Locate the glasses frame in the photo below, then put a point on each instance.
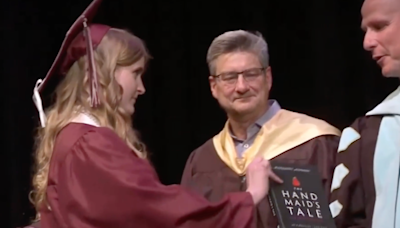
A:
(237, 74)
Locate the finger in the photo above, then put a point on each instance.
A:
(266, 163)
(258, 159)
(275, 177)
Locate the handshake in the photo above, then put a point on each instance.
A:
(259, 173)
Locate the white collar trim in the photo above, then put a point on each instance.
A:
(390, 106)
(85, 119)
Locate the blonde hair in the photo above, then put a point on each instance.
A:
(235, 41)
(117, 48)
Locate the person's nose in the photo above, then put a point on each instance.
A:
(140, 89)
(241, 85)
(370, 42)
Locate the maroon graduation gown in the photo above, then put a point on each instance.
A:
(96, 181)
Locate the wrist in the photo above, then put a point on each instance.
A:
(254, 195)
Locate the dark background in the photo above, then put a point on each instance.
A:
(319, 68)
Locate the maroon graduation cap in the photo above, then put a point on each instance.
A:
(81, 39)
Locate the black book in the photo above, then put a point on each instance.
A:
(301, 200)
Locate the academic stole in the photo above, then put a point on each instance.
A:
(283, 132)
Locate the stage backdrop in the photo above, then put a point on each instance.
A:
(318, 65)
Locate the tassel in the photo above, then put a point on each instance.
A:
(38, 103)
(94, 96)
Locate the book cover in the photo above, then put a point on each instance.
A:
(301, 200)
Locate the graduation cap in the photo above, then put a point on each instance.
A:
(81, 39)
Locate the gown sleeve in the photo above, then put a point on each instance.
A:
(325, 150)
(346, 201)
(103, 184)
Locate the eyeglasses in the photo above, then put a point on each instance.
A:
(250, 75)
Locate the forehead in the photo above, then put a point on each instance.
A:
(378, 10)
(138, 64)
(237, 61)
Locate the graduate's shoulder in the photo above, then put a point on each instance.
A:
(80, 140)
(76, 131)
(79, 135)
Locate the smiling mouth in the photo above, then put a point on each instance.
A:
(378, 59)
(243, 98)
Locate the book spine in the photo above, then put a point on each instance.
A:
(275, 210)
(272, 206)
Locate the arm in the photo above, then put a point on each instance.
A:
(347, 195)
(102, 184)
(325, 150)
(33, 225)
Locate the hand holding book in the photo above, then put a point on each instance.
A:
(258, 175)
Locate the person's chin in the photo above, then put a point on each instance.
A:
(391, 69)
(244, 107)
(130, 110)
(390, 73)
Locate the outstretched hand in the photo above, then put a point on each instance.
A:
(259, 172)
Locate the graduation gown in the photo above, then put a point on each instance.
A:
(288, 137)
(96, 181)
(365, 185)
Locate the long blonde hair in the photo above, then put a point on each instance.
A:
(117, 48)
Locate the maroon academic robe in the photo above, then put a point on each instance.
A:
(33, 225)
(96, 181)
(206, 172)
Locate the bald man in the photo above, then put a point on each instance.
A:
(365, 187)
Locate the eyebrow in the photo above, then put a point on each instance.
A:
(363, 27)
(138, 70)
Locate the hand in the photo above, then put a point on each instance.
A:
(258, 174)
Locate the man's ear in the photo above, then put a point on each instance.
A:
(268, 73)
(213, 85)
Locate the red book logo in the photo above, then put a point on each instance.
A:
(295, 182)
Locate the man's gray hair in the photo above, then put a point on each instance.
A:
(238, 41)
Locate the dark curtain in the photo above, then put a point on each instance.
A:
(319, 68)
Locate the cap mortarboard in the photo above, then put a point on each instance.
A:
(81, 39)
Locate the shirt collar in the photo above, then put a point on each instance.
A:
(390, 106)
(273, 108)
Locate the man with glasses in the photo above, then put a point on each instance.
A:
(240, 80)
